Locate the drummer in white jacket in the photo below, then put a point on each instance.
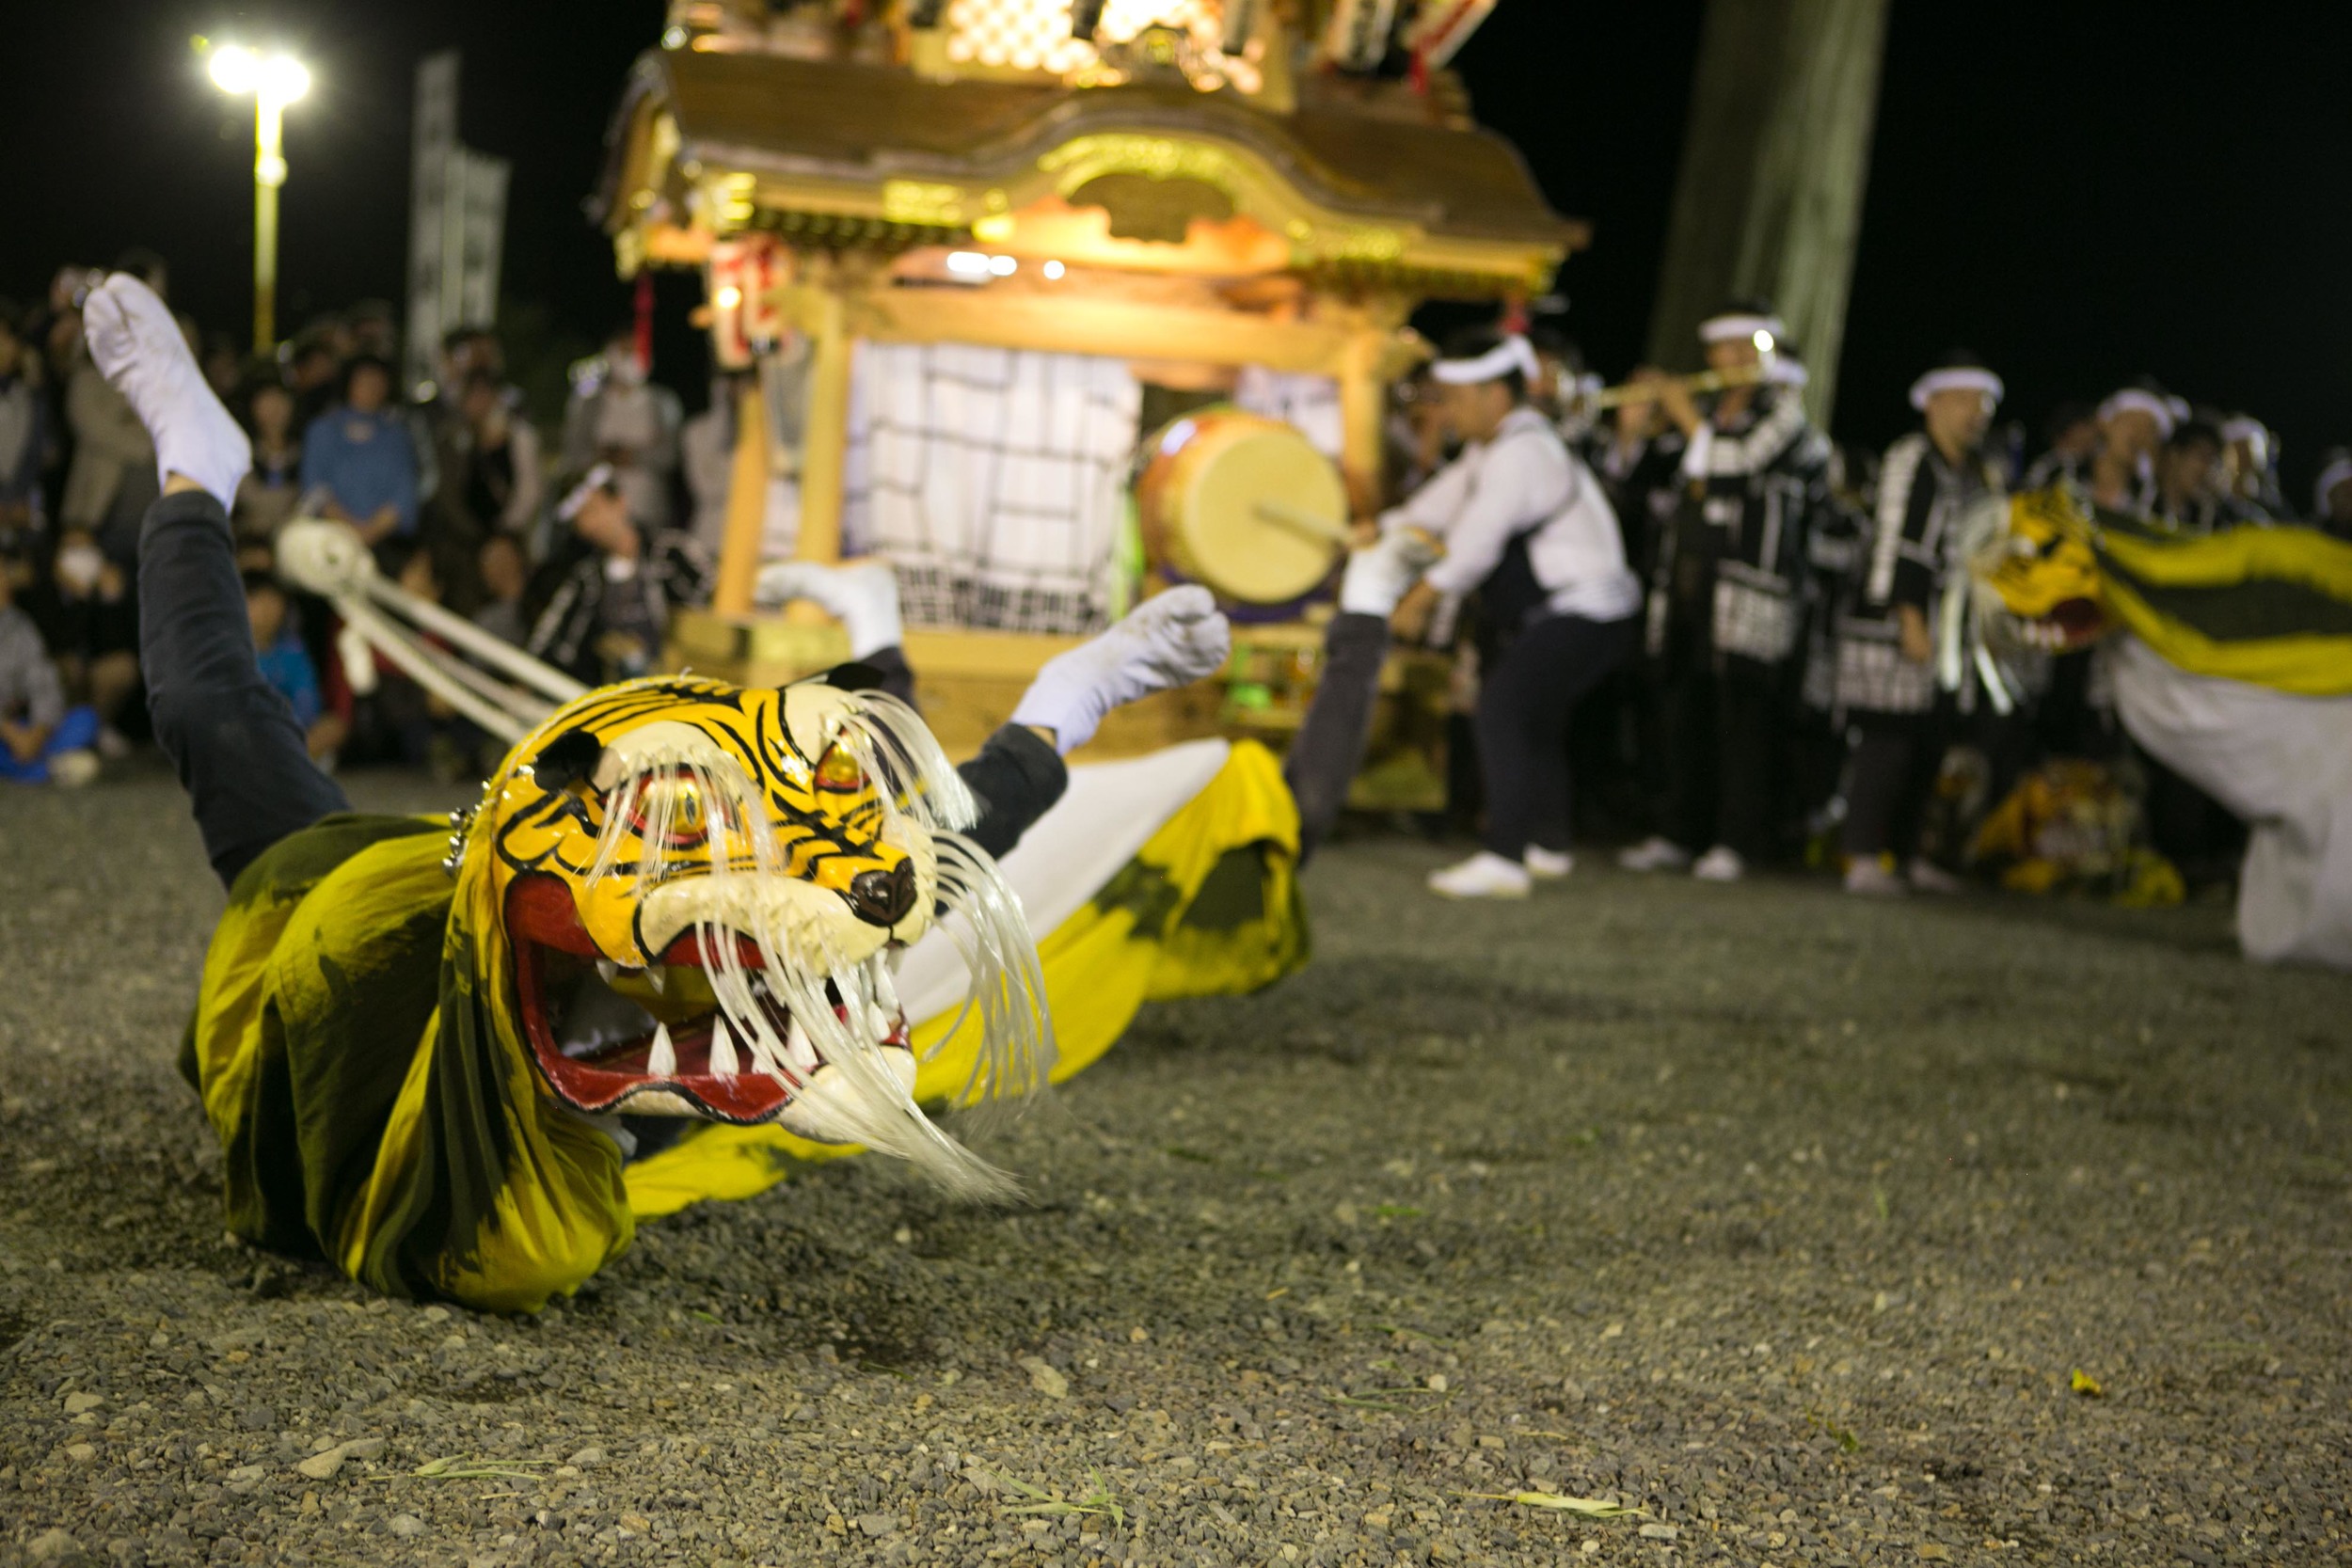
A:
(1525, 525)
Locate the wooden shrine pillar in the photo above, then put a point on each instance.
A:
(1369, 360)
(1769, 200)
(1363, 414)
(747, 504)
(825, 429)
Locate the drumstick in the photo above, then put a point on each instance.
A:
(1301, 519)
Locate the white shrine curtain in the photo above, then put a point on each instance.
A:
(994, 481)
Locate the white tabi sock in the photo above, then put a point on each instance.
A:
(137, 346)
(862, 595)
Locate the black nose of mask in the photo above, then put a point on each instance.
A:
(883, 897)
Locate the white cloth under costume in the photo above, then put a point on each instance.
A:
(994, 479)
(2283, 763)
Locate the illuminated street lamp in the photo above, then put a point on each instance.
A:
(275, 81)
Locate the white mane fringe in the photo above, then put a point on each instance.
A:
(924, 805)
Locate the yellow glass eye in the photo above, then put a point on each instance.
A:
(687, 823)
(837, 769)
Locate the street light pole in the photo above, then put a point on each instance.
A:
(274, 82)
(269, 172)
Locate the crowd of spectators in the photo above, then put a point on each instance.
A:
(449, 483)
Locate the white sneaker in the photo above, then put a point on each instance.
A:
(73, 770)
(1485, 875)
(1868, 875)
(1548, 864)
(1720, 865)
(1655, 853)
(1928, 877)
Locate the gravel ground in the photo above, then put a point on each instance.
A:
(1783, 1219)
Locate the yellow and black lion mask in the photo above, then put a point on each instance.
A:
(699, 890)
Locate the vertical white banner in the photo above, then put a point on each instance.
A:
(432, 139)
(482, 225)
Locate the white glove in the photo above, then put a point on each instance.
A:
(1378, 574)
(863, 595)
(1168, 642)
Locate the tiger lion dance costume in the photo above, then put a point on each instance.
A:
(427, 1058)
(2232, 659)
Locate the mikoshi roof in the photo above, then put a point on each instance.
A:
(850, 154)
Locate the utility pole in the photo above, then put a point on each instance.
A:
(1769, 199)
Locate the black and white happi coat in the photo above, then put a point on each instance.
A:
(592, 605)
(1750, 493)
(1643, 481)
(1912, 559)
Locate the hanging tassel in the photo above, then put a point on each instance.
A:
(644, 337)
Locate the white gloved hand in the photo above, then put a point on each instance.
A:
(862, 594)
(137, 346)
(1169, 640)
(1378, 574)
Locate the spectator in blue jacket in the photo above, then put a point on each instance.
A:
(359, 453)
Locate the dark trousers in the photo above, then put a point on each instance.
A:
(1329, 745)
(1722, 716)
(1524, 706)
(1895, 764)
(1606, 736)
(239, 753)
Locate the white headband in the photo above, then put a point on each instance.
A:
(1956, 378)
(1722, 329)
(2330, 477)
(2245, 427)
(593, 481)
(2156, 409)
(1513, 353)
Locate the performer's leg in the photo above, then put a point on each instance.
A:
(898, 675)
(1329, 745)
(1932, 735)
(1881, 774)
(1523, 715)
(1747, 707)
(239, 751)
(1692, 760)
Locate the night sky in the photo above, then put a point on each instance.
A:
(2082, 192)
